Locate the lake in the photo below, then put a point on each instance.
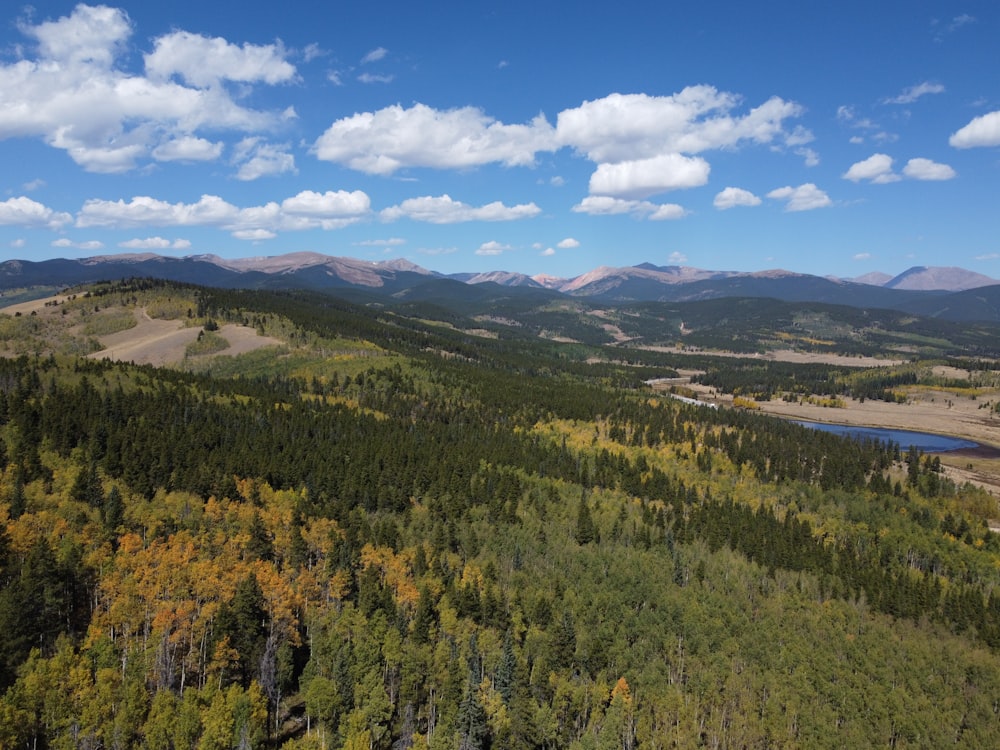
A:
(925, 441)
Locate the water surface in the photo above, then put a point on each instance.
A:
(925, 441)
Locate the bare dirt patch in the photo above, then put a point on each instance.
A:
(164, 342)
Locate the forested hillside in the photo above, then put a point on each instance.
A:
(391, 533)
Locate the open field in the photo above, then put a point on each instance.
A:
(150, 341)
(164, 342)
(787, 355)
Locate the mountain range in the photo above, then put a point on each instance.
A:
(943, 292)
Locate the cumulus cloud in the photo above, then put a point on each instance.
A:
(202, 61)
(260, 159)
(155, 243)
(731, 197)
(802, 198)
(981, 131)
(306, 210)
(568, 244)
(645, 177)
(604, 205)
(641, 144)
(876, 168)
(24, 212)
(623, 127)
(911, 94)
(444, 210)
(862, 256)
(87, 245)
(677, 258)
(925, 169)
(548, 252)
(395, 138)
(492, 248)
(254, 235)
(188, 148)
(76, 96)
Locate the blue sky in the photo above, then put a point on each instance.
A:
(546, 138)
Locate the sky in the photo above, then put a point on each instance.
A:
(537, 137)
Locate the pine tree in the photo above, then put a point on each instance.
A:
(471, 723)
(586, 531)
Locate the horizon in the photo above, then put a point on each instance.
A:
(150, 254)
(728, 138)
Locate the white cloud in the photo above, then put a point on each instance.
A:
(621, 133)
(307, 210)
(876, 168)
(375, 55)
(568, 244)
(33, 185)
(802, 198)
(24, 212)
(644, 177)
(925, 169)
(188, 148)
(809, 155)
(18, 243)
(155, 243)
(76, 96)
(203, 62)
(311, 51)
(731, 197)
(988, 256)
(677, 258)
(492, 248)
(88, 245)
(981, 131)
(91, 35)
(862, 256)
(548, 252)
(625, 127)
(376, 78)
(913, 93)
(259, 159)
(254, 235)
(443, 210)
(603, 205)
(395, 138)
(143, 211)
(668, 212)
(390, 242)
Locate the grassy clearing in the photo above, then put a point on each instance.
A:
(208, 342)
(108, 322)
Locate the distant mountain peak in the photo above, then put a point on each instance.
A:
(939, 278)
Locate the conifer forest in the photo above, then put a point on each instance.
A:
(390, 531)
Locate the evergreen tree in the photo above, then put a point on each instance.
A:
(243, 619)
(472, 724)
(586, 531)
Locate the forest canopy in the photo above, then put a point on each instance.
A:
(389, 533)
